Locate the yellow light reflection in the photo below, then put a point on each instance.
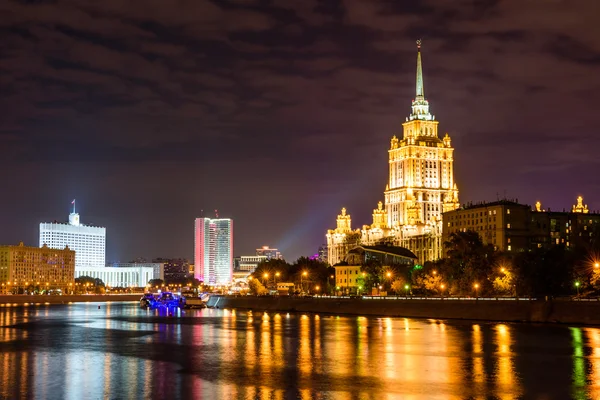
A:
(478, 367)
(593, 339)
(579, 378)
(506, 381)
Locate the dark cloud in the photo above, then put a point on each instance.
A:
(279, 112)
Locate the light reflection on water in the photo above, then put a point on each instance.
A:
(120, 351)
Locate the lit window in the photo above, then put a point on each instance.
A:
(507, 226)
(509, 248)
(508, 210)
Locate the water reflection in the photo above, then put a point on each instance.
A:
(120, 351)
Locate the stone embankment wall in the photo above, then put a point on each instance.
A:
(65, 299)
(572, 312)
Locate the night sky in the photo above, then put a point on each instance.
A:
(279, 112)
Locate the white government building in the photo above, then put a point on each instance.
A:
(89, 243)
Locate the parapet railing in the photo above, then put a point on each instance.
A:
(430, 298)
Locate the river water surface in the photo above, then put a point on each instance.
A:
(119, 351)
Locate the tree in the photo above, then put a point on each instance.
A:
(545, 272)
(87, 283)
(399, 286)
(429, 283)
(469, 262)
(504, 284)
(272, 268)
(257, 288)
(156, 282)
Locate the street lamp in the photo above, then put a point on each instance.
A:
(442, 287)
(302, 281)
(266, 276)
(577, 286)
(476, 287)
(502, 269)
(596, 265)
(406, 287)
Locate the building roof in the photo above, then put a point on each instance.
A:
(394, 250)
(483, 204)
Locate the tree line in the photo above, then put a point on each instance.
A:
(307, 274)
(472, 268)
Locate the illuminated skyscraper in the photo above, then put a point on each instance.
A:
(89, 242)
(420, 188)
(213, 250)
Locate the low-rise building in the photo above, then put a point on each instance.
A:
(249, 263)
(271, 254)
(347, 277)
(513, 227)
(157, 268)
(176, 269)
(133, 276)
(285, 288)
(504, 224)
(35, 268)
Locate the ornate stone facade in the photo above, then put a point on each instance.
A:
(420, 187)
(341, 239)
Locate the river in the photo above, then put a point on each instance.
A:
(118, 351)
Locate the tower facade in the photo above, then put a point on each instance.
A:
(341, 239)
(89, 242)
(421, 179)
(420, 186)
(213, 250)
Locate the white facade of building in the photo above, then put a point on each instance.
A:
(119, 276)
(249, 263)
(213, 250)
(158, 268)
(89, 242)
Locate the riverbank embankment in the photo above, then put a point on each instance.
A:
(508, 310)
(19, 299)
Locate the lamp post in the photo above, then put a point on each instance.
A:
(406, 287)
(389, 277)
(302, 280)
(266, 277)
(577, 286)
(329, 287)
(442, 286)
(476, 290)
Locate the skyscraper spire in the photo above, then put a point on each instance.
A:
(420, 106)
(420, 89)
